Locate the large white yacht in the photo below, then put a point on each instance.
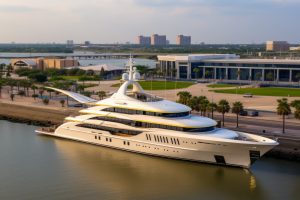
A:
(135, 121)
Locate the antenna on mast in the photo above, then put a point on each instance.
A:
(131, 71)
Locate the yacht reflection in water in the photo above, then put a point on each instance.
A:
(128, 176)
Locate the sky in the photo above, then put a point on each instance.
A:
(111, 21)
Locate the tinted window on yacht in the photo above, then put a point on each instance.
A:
(139, 112)
(112, 119)
(110, 129)
(150, 125)
(205, 129)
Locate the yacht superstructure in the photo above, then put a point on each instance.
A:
(135, 121)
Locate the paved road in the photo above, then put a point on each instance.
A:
(265, 124)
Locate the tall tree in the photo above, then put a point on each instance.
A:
(203, 105)
(41, 92)
(223, 107)
(1, 85)
(62, 102)
(12, 97)
(101, 95)
(184, 97)
(296, 104)
(9, 69)
(34, 87)
(2, 66)
(194, 103)
(283, 109)
(212, 107)
(237, 107)
(11, 83)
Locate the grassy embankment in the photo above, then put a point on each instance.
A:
(222, 85)
(161, 85)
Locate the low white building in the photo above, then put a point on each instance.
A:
(229, 67)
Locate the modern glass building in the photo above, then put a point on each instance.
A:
(229, 67)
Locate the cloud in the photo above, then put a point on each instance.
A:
(214, 21)
(13, 8)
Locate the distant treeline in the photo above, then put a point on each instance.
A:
(203, 48)
(35, 48)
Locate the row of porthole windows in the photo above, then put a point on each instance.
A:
(99, 138)
(188, 142)
(110, 140)
(156, 148)
(163, 139)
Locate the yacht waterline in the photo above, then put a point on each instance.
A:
(139, 122)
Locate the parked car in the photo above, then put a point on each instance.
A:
(243, 113)
(254, 113)
(248, 95)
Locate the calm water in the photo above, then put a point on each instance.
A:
(83, 62)
(38, 167)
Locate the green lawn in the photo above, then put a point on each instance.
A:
(161, 85)
(222, 85)
(267, 91)
(70, 78)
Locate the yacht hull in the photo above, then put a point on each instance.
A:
(221, 153)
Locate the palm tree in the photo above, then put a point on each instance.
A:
(194, 103)
(12, 96)
(212, 107)
(49, 92)
(9, 69)
(101, 94)
(62, 102)
(203, 105)
(41, 92)
(196, 71)
(1, 85)
(11, 83)
(237, 107)
(296, 104)
(184, 97)
(2, 65)
(283, 108)
(297, 113)
(33, 87)
(27, 85)
(223, 107)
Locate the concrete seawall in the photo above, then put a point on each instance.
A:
(34, 114)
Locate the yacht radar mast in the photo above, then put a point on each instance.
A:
(132, 75)
(131, 70)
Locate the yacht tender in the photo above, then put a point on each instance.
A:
(135, 121)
